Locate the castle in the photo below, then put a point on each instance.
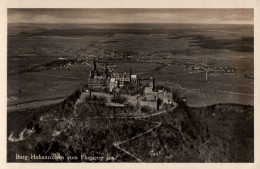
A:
(108, 81)
(129, 84)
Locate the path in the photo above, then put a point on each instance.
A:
(110, 117)
(222, 91)
(128, 153)
(158, 124)
(34, 104)
(79, 100)
(117, 144)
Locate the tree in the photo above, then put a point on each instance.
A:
(37, 128)
(55, 147)
(176, 94)
(39, 149)
(77, 93)
(159, 102)
(207, 132)
(30, 125)
(34, 118)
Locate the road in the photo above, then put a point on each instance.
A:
(34, 104)
(66, 77)
(222, 91)
(117, 144)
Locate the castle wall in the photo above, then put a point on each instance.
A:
(132, 100)
(151, 104)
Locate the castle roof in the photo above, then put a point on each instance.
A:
(133, 76)
(112, 80)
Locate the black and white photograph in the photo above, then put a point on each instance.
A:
(130, 85)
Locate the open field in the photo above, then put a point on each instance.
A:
(45, 85)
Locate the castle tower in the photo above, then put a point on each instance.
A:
(130, 73)
(106, 71)
(130, 70)
(118, 83)
(90, 93)
(94, 64)
(207, 76)
(90, 73)
(158, 104)
(152, 83)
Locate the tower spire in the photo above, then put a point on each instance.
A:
(94, 64)
(130, 74)
(130, 71)
(152, 83)
(106, 71)
(106, 68)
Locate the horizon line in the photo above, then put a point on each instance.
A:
(133, 23)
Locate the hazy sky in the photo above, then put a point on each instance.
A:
(215, 16)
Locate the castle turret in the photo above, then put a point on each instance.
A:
(158, 103)
(118, 83)
(130, 71)
(130, 74)
(125, 72)
(107, 71)
(152, 83)
(94, 64)
(95, 71)
(207, 76)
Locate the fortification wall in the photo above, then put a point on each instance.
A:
(151, 104)
(132, 100)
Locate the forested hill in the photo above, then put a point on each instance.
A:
(217, 133)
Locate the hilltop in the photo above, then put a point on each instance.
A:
(217, 133)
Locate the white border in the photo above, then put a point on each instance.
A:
(4, 4)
